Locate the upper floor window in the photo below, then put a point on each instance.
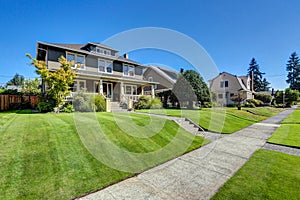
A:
(224, 84)
(150, 79)
(128, 70)
(79, 60)
(103, 51)
(105, 66)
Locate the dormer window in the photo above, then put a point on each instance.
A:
(79, 60)
(224, 84)
(103, 51)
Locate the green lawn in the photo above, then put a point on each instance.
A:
(267, 175)
(42, 156)
(227, 120)
(289, 131)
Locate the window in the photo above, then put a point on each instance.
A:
(150, 79)
(224, 83)
(220, 96)
(96, 87)
(103, 51)
(79, 85)
(79, 60)
(130, 89)
(128, 70)
(105, 66)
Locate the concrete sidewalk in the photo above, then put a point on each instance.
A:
(198, 174)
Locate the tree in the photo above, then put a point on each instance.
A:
(265, 85)
(191, 87)
(291, 96)
(257, 75)
(32, 87)
(293, 68)
(17, 80)
(59, 81)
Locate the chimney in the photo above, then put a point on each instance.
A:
(181, 70)
(125, 55)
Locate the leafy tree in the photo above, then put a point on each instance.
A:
(257, 75)
(293, 68)
(291, 96)
(32, 87)
(59, 81)
(190, 87)
(17, 80)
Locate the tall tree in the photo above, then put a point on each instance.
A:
(265, 85)
(59, 81)
(190, 87)
(17, 80)
(293, 68)
(32, 87)
(257, 75)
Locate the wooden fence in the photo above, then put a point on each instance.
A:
(12, 102)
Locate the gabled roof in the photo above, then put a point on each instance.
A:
(79, 48)
(168, 74)
(239, 79)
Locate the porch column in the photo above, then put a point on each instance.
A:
(152, 92)
(122, 91)
(101, 87)
(143, 90)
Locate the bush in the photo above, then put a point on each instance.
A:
(255, 102)
(155, 103)
(44, 106)
(83, 102)
(265, 98)
(100, 103)
(144, 102)
(68, 108)
(207, 105)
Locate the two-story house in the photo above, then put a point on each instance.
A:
(226, 86)
(100, 69)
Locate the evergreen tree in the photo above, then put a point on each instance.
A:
(265, 85)
(293, 68)
(257, 75)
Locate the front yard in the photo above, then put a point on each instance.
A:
(289, 132)
(42, 156)
(267, 175)
(227, 120)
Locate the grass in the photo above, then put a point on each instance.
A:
(288, 133)
(43, 157)
(227, 120)
(267, 175)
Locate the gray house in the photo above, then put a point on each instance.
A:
(101, 70)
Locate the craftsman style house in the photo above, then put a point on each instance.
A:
(226, 86)
(99, 69)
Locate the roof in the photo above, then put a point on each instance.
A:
(101, 45)
(78, 48)
(168, 74)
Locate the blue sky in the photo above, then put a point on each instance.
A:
(231, 31)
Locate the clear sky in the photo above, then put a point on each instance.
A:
(231, 31)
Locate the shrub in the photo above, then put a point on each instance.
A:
(144, 102)
(44, 106)
(100, 104)
(255, 102)
(68, 108)
(83, 102)
(266, 98)
(155, 103)
(207, 105)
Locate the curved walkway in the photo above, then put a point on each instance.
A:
(198, 174)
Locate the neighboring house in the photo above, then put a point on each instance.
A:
(165, 77)
(14, 87)
(226, 86)
(100, 70)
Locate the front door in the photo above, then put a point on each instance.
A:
(107, 90)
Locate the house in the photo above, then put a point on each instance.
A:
(165, 77)
(99, 70)
(226, 86)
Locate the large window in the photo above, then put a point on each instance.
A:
(79, 60)
(105, 66)
(224, 84)
(128, 70)
(130, 89)
(79, 85)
